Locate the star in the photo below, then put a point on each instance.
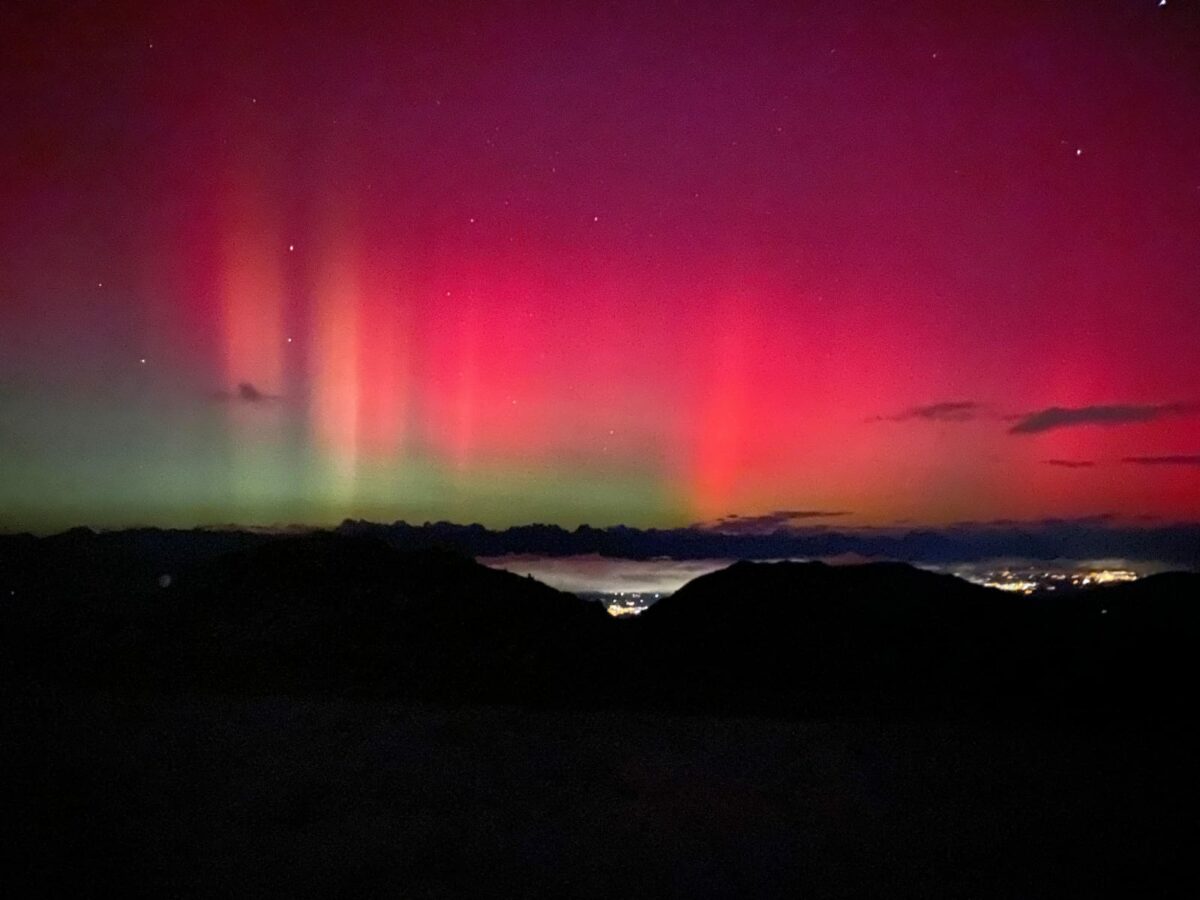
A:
(1079, 151)
(291, 247)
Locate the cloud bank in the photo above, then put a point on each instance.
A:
(952, 411)
(1103, 415)
(1178, 460)
(247, 393)
(769, 522)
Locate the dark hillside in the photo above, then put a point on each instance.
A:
(318, 612)
(326, 612)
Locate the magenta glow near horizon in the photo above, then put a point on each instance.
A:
(599, 263)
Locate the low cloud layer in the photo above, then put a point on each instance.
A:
(593, 573)
(1104, 415)
(1071, 463)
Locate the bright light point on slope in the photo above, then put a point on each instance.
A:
(1079, 151)
(1108, 576)
(142, 360)
(291, 248)
(1023, 587)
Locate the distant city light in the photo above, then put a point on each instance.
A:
(1033, 580)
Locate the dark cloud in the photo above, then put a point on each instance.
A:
(768, 522)
(247, 393)
(1071, 463)
(1046, 522)
(1179, 460)
(1108, 415)
(953, 411)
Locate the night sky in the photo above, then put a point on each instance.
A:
(644, 263)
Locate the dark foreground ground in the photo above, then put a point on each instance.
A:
(363, 798)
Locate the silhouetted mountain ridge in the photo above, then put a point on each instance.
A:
(1175, 544)
(335, 612)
